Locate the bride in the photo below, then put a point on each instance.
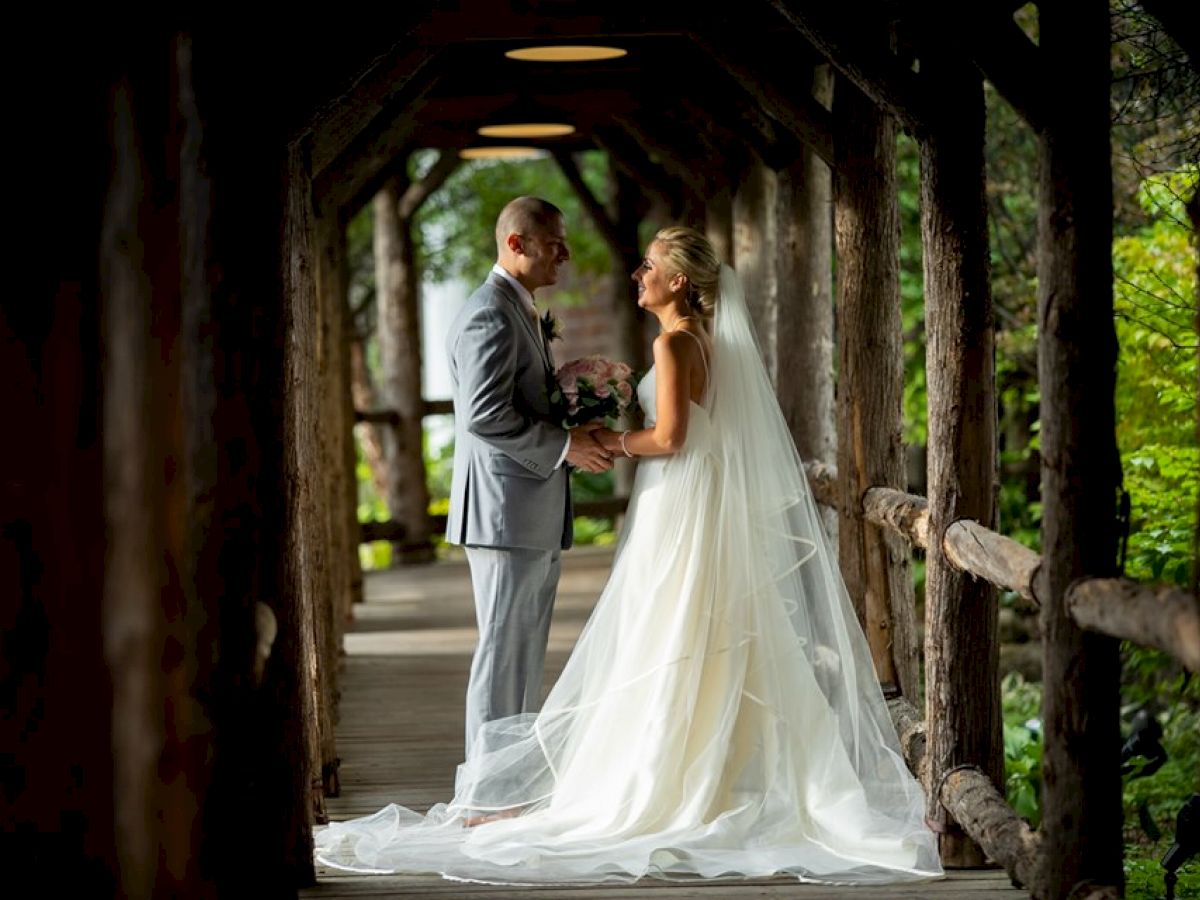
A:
(719, 715)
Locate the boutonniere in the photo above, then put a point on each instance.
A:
(551, 330)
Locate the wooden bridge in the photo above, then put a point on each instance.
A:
(400, 736)
(178, 528)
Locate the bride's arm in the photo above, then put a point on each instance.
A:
(672, 399)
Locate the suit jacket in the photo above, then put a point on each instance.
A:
(504, 490)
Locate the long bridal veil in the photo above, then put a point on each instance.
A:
(719, 716)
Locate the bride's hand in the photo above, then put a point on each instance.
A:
(609, 440)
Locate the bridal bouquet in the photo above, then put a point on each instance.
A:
(593, 388)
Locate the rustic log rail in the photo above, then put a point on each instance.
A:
(1162, 616)
(392, 417)
(972, 799)
(393, 531)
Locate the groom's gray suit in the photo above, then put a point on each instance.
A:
(510, 498)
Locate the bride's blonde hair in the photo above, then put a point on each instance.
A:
(690, 253)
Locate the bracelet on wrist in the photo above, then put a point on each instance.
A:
(624, 449)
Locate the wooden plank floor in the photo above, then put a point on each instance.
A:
(400, 736)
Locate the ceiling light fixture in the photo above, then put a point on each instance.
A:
(501, 153)
(569, 53)
(527, 130)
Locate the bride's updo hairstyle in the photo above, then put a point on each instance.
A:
(690, 253)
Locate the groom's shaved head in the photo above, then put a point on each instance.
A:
(527, 216)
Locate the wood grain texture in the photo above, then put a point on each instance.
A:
(962, 650)
(1077, 353)
(1162, 616)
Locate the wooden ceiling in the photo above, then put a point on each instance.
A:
(706, 89)
(699, 92)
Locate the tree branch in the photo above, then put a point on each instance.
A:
(418, 192)
(595, 208)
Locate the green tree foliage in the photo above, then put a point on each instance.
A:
(457, 224)
(1155, 304)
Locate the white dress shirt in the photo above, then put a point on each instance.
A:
(531, 308)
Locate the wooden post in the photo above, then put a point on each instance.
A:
(754, 241)
(58, 810)
(333, 285)
(629, 319)
(1077, 353)
(625, 211)
(397, 296)
(139, 388)
(191, 396)
(363, 396)
(340, 498)
(305, 573)
(804, 323)
(870, 379)
(618, 226)
(962, 651)
(718, 223)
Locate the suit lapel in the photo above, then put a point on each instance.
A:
(533, 329)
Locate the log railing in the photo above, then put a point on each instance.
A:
(1159, 616)
(392, 417)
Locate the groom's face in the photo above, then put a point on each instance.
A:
(545, 250)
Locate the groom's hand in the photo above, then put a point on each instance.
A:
(585, 452)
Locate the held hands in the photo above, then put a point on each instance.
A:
(609, 440)
(585, 452)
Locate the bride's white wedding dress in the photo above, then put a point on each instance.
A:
(719, 715)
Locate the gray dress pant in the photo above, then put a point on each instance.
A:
(514, 595)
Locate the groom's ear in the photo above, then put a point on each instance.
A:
(515, 244)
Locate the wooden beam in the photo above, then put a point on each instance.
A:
(666, 154)
(387, 82)
(743, 124)
(799, 112)
(1179, 24)
(1162, 616)
(367, 160)
(627, 156)
(865, 61)
(996, 45)
(483, 20)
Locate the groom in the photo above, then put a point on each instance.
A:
(510, 497)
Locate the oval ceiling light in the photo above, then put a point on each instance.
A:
(569, 53)
(527, 130)
(500, 153)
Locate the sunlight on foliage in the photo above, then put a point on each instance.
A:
(1155, 307)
